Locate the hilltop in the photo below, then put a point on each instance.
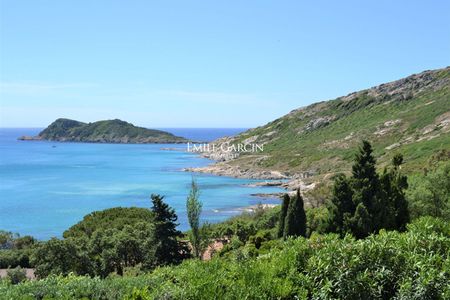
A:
(410, 115)
(108, 131)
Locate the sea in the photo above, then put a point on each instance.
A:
(46, 187)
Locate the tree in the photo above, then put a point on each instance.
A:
(400, 202)
(194, 210)
(366, 186)
(368, 202)
(429, 194)
(15, 251)
(283, 213)
(295, 222)
(394, 213)
(361, 222)
(58, 257)
(167, 249)
(341, 206)
(7, 239)
(243, 230)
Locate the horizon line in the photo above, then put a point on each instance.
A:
(159, 127)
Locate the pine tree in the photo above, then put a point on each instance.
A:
(341, 206)
(399, 184)
(367, 202)
(283, 213)
(295, 222)
(168, 249)
(366, 186)
(385, 217)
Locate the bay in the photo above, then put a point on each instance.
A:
(46, 187)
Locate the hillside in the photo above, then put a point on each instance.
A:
(410, 115)
(108, 131)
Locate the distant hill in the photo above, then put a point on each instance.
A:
(410, 116)
(108, 131)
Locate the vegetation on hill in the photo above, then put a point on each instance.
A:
(411, 116)
(108, 131)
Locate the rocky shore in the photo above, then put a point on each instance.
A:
(272, 177)
(224, 165)
(225, 169)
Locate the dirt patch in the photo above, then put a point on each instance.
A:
(214, 247)
(29, 273)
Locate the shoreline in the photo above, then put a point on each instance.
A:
(220, 166)
(271, 178)
(37, 139)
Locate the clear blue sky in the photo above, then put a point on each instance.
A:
(205, 63)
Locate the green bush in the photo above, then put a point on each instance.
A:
(16, 275)
(410, 265)
(430, 194)
(15, 251)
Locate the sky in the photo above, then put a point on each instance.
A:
(205, 63)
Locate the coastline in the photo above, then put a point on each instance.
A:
(26, 138)
(272, 178)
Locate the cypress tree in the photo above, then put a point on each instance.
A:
(283, 213)
(295, 222)
(194, 210)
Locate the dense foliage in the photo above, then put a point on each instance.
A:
(429, 194)
(111, 218)
(15, 250)
(410, 265)
(368, 202)
(295, 219)
(114, 241)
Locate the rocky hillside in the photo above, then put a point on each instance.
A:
(109, 131)
(410, 115)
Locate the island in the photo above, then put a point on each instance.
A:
(106, 131)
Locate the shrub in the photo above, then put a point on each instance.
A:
(16, 275)
(390, 265)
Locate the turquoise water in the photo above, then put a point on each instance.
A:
(45, 187)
